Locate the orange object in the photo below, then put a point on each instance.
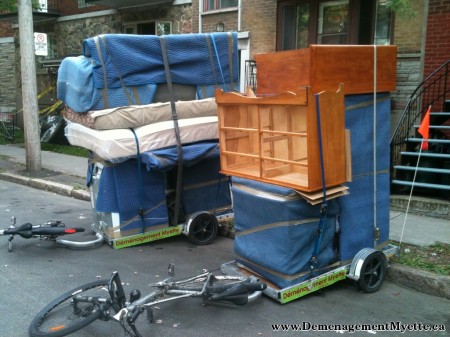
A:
(424, 129)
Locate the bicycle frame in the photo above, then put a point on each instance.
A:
(164, 289)
(50, 231)
(84, 304)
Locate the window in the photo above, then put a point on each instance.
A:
(295, 15)
(149, 28)
(51, 46)
(304, 22)
(211, 5)
(83, 4)
(333, 22)
(382, 23)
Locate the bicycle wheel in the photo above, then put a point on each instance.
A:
(61, 317)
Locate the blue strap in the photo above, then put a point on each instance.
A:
(140, 183)
(324, 206)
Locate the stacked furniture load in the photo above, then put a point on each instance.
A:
(142, 105)
(344, 121)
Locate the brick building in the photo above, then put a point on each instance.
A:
(437, 48)
(263, 26)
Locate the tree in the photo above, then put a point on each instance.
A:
(402, 8)
(8, 5)
(11, 5)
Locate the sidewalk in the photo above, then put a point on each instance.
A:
(66, 175)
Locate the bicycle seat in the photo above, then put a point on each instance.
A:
(238, 293)
(24, 231)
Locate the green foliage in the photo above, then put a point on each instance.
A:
(65, 149)
(434, 258)
(11, 5)
(402, 8)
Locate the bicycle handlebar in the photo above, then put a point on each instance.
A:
(24, 231)
(27, 230)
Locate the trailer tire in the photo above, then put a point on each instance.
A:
(372, 272)
(202, 228)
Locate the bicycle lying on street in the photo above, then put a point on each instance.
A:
(83, 305)
(50, 231)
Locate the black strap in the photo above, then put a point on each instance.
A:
(102, 39)
(324, 206)
(177, 131)
(211, 57)
(230, 59)
(140, 182)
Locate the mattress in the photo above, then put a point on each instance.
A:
(134, 116)
(120, 144)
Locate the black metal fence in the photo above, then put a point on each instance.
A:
(433, 91)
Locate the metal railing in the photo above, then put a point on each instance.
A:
(434, 91)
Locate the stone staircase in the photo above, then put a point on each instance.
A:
(420, 205)
(425, 171)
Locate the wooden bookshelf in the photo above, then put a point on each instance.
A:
(274, 138)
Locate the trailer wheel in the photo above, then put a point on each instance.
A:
(202, 228)
(372, 272)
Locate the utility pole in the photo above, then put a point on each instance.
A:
(29, 87)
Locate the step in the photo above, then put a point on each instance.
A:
(426, 154)
(445, 127)
(422, 169)
(439, 113)
(426, 206)
(435, 141)
(424, 185)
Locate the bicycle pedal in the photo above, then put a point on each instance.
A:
(150, 317)
(171, 270)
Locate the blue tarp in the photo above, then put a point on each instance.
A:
(199, 59)
(276, 232)
(115, 64)
(133, 185)
(76, 88)
(167, 159)
(358, 208)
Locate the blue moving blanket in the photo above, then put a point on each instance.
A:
(199, 59)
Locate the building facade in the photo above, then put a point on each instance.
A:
(263, 26)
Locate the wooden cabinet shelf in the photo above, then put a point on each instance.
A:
(323, 67)
(274, 138)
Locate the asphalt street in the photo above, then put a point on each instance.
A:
(36, 272)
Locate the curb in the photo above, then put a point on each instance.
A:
(46, 185)
(419, 280)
